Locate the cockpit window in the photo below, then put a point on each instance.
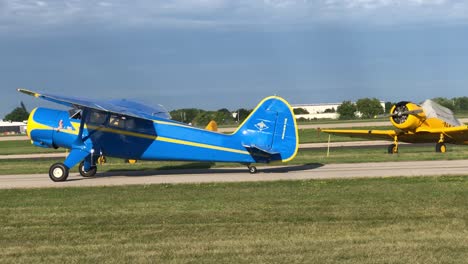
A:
(123, 122)
(117, 121)
(96, 117)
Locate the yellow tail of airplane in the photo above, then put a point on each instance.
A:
(212, 126)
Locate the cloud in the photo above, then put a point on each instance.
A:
(26, 14)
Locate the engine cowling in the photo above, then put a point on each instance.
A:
(45, 126)
(407, 116)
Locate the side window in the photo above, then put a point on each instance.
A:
(117, 121)
(123, 122)
(98, 118)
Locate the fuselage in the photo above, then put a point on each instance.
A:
(134, 138)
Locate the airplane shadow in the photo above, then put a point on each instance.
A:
(203, 168)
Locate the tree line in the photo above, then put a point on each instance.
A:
(19, 114)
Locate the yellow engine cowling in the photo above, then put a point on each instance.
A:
(407, 116)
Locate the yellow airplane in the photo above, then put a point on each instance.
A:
(425, 123)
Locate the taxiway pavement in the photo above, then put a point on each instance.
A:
(299, 172)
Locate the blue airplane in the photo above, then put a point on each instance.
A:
(93, 129)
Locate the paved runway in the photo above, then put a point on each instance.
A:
(312, 171)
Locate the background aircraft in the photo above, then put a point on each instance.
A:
(125, 129)
(425, 123)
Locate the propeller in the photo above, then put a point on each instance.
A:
(401, 112)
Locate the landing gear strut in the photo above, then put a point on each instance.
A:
(58, 172)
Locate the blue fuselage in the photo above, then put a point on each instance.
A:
(134, 138)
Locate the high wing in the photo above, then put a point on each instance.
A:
(121, 106)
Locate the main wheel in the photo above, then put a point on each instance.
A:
(392, 149)
(92, 171)
(441, 148)
(58, 172)
(252, 169)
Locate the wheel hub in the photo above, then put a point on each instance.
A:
(57, 172)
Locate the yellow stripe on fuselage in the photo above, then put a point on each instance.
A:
(200, 145)
(166, 139)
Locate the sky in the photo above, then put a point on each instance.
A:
(214, 54)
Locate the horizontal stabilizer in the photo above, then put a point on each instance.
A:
(261, 155)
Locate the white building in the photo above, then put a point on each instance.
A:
(9, 127)
(322, 111)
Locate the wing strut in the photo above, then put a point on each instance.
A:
(84, 116)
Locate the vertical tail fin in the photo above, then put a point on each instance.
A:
(270, 132)
(212, 126)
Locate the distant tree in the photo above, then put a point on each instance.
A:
(369, 107)
(223, 116)
(224, 111)
(203, 118)
(300, 111)
(330, 110)
(347, 110)
(18, 114)
(388, 106)
(243, 114)
(186, 115)
(449, 103)
(461, 103)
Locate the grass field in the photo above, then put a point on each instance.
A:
(393, 220)
(23, 147)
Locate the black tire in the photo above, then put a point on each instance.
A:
(58, 172)
(89, 173)
(252, 169)
(440, 148)
(392, 149)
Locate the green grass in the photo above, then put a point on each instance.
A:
(23, 147)
(304, 156)
(393, 220)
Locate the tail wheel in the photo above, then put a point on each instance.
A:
(441, 148)
(90, 173)
(58, 172)
(252, 169)
(392, 149)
